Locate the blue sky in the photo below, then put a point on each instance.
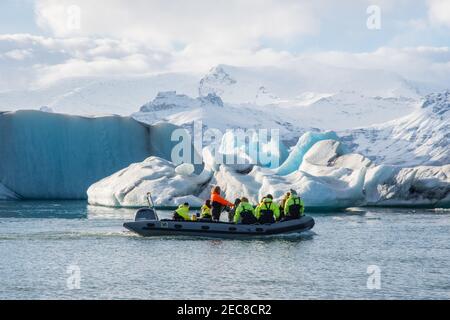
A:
(117, 37)
(17, 16)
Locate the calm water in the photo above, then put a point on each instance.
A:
(41, 241)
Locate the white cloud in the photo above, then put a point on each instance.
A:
(17, 54)
(168, 24)
(424, 64)
(54, 59)
(439, 12)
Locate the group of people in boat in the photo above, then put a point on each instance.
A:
(243, 212)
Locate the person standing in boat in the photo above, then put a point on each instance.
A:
(218, 203)
(267, 211)
(245, 214)
(182, 213)
(294, 207)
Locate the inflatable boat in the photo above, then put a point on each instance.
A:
(147, 224)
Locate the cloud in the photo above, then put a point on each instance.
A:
(116, 38)
(17, 54)
(422, 64)
(42, 61)
(36, 61)
(439, 12)
(171, 24)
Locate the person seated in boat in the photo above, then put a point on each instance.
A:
(182, 213)
(294, 207)
(283, 204)
(218, 203)
(245, 213)
(232, 212)
(206, 210)
(267, 211)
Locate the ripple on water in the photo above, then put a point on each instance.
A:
(39, 241)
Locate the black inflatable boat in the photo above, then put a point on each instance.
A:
(147, 224)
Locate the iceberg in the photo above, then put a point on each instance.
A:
(416, 186)
(6, 194)
(306, 141)
(327, 176)
(241, 150)
(129, 187)
(55, 156)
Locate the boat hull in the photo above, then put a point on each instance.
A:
(155, 228)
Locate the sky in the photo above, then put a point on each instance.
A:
(45, 41)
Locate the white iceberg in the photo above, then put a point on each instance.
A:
(327, 176)
(423, 185)
(129, 187)
(185, 169)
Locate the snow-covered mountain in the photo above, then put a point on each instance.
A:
(183, 110)
(291, 86)
(422, 137)
(170, 101)
(379, 113)
(95, 96)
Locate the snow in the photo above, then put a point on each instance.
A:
(46, 109)
(291, 100)
(128, 187)
(290, 84)
(420, 138)
(185, 169)
(90, 96)
(54, 156)
(212, 113)
(171, 100)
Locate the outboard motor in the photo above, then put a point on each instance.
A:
(146, 214)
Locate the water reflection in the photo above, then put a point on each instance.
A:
(43, 209)
(95, 212)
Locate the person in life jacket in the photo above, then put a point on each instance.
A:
(218, 203)
(294, 207)
(206, 210)
(182, 213)
(267, 211)
(232, 212)
(245, 214)
(283, 204)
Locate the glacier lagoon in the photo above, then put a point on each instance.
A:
(42, 242)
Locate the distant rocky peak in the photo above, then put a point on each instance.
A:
(211, 99)
(438, 103)
(215, 81)
(219, 74)
(168, 100)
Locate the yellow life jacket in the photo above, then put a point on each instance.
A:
(206, 211)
